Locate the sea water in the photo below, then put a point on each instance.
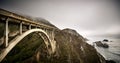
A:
(111, 53)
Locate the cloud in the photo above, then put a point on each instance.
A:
(88, 17)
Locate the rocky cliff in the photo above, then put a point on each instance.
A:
(70, 48)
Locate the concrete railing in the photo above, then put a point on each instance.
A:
(8, 14)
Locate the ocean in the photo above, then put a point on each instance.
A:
(111, 53)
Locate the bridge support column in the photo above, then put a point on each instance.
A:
(53, 34)
(29, 26)
(20, 28)
(36, 26)
(6, 32)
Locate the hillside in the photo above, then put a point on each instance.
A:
(70, 47)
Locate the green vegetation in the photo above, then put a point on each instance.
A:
(1, 29)
(25, 49)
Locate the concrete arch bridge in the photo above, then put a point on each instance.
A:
(13, 25)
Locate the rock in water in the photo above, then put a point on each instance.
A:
(105, 40)
(100, 44)
(110, 61)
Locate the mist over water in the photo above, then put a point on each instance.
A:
(111, 53)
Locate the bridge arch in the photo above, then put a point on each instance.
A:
(18, 38)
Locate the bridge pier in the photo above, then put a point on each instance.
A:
(29, 26)
(36, 26)
(53, 42)
(21, 28)
(6, 32)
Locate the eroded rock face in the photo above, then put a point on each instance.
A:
(74, 32)
(73, 49)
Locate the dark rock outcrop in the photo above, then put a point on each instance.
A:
(100, 44)
(110, 61)
(105, 40)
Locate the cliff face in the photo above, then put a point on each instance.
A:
(72, 48)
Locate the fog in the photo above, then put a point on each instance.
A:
(91, 18)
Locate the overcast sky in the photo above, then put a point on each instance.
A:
(91, 18)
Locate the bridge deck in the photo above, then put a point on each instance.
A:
(21, 18)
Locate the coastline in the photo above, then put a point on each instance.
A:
(111, 53)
